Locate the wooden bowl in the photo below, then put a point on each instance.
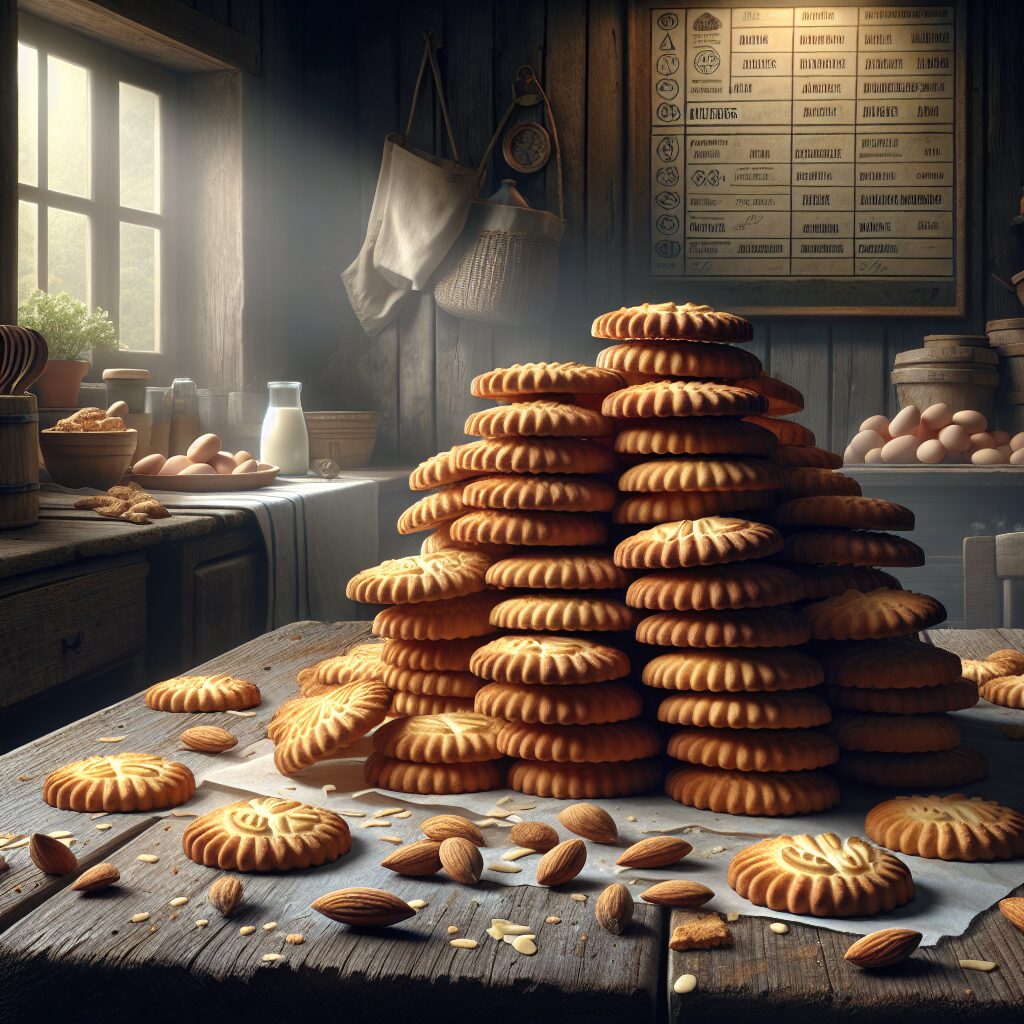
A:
(95, 458)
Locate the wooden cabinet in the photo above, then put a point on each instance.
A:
(226, 611)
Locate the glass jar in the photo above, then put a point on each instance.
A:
(213, 411)
(158, 405)
(128, 386)
(284, 441)
(184, 415)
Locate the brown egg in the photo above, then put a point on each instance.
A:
(247, 467)
(174, 465)
(900, 449)
(973, 422)
(198, 469)
(119, 409)
(203, 448)
(243, 456)
(223, 463)
(150, 465)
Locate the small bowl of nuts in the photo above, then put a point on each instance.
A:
(88, 449)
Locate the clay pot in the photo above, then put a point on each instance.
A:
(57, 387)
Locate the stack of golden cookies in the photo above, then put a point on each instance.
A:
(721, 616)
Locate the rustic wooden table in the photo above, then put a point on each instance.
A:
(64, 956)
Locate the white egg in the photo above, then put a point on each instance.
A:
(900, 449)
(1017, 458)
(866, 440)
(1017, 441)
(174, 465)
(879, 424)
(931, 452)
(937, 416)
(955, 438)
(873, 456)
(1000, 437)
(851, 457)
(150, 465)
(982, 440)
(989, 457)
(973, 422)
(905, 422)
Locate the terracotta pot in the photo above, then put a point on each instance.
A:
(58, 386)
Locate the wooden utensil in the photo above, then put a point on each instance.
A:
(39, 357)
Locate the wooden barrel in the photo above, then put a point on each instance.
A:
(345, 437)
(963, 376)
(956, 341)
(1011, 416)
(19, 461)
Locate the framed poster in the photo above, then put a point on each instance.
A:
(801, 159)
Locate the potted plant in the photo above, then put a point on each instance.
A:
(70, 330)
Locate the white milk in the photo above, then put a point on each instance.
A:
(284, 441)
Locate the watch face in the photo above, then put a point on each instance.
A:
(527, 147)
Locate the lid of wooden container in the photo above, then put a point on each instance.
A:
(125, 374)
(1014, 323)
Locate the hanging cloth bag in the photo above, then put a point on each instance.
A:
(504, 270)
(420, 207)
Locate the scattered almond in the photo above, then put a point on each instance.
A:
(978, 965)
(50, 855)
(269, 958)
(552, 920)
(677, 893)
(178, 901)
(148, 858)
(202, 922)
(591, 822)
(733, 916)
(614, 909)
(656, 852)
(452, 826)
(387, 812)
(779, 928)
(883, 948)
(461, 860)
(534, 835)
(225, 894)
(452, 930)
(504, 867)
(463, 943)
(562, 863)
(579, 897)
(209, 739)
(517, 853)
(524, 944)
(97, 877)
(247, 929)
(684, 983)
(270, 926)
(139, 918)
(393, 840)
(363, 907)
(415, 860)
(104, 826)
(1012, 908)
(295, 939)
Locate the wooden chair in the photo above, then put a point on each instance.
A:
(994, 581)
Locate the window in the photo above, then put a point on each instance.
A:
(93, 215)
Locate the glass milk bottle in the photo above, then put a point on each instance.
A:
(284, 442)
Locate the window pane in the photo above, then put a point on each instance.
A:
(28, 249)
(140, 297)
(67, 136)
(139, 132)
(68, 254)
(28, 114)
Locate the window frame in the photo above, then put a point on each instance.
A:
(107, 68)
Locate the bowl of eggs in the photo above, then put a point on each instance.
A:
(933, 436)
(204, 468)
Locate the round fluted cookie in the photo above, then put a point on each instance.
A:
(700, 360)
(187, 694)
(430, 655)
(432, 510)
(560, 705)
(712, 540)
(941, 769)
(538, 419)
(894, 734)
(455, 619)
(670, 321)
(363, 661)
(783, 399)
(695, 474)
(542, 493)
(954, 827)
(744, 627)
(522, 379)
(439, 739)
(1006, 691)
(874, 615)
(433, 779)
(569, 569)
(791, 456)
(440, 470)
(584, 781)
(672, 506)
(845, 512)
(694, 435)
(680, 398)
(548, 660)
(758, 794)
(923, 700)
(441, 540)
(768, 711)
(899, 663)
(411, 704)
(266, 834)
(851, 547)
(786, 431)
(554, 612)
(532, 529)
(716, 587)
(534, 455)
(435, 577)
(1004, 662)
(754, 750)
(821, 581)
(119, 783)
(312, 729)
(808, 482)
(724, 671)
(615, 741)
(432, 683)
(821, 875)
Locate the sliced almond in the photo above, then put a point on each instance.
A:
(463, 943)
(978, 965)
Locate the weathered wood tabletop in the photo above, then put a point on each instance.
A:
(68, 956)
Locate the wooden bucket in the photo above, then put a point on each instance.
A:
(347, 438)
(1011, 416)
(962, 376)
(1005, 332)
(19, 461)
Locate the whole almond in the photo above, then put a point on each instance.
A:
(450, 826)
(97, 877)
(591, 822)
(677, 893)
(614, 909)
(416, 860)
(51, 855)
(1012, 908)
(656, 852)
(461, 860)
(225, 894)
(562, 863)
(209, 739)
(534, 835)
(363, 908)
(883, 948)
